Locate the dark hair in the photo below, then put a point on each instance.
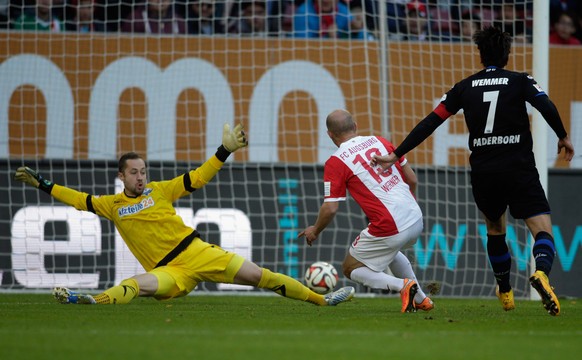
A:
(494, 46)
(123, 160)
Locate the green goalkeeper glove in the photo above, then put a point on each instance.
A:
(31, 177)
(234, 139)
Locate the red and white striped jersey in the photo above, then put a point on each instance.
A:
(385, 198)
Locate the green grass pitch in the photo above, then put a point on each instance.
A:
(33, 326)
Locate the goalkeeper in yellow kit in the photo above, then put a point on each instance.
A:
(173, 255)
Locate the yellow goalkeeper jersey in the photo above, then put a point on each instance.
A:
(148, 224)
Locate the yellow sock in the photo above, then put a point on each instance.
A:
(316, 298)
(289, 287)
(102, 299)
(123, 293)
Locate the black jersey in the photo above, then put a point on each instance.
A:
(494, 105)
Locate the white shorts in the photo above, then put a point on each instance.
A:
(378, 252)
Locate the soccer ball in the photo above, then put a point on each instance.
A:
(321, 277)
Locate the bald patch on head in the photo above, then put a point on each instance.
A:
(340, 122)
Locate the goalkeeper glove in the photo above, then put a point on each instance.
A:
(31, 177)
(234, 139)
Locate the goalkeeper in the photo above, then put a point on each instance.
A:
(174, 256)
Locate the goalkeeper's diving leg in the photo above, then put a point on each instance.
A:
(123, 293)
(248, 273)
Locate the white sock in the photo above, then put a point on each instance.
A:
(376, 280)
(401, 267)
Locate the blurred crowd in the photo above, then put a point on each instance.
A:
(411, 20)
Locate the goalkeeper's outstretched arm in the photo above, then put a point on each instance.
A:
(33, 178)
(79, 200)
(232, 140)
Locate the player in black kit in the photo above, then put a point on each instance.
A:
(503, 169)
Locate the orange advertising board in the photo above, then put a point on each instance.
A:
(77, 96)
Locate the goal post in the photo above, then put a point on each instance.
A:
(541, 20)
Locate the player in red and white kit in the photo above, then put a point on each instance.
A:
(387, 199)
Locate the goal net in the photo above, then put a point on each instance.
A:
(72, 101)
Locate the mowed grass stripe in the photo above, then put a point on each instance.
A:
(33, 326)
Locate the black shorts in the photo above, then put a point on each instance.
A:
(520, 190)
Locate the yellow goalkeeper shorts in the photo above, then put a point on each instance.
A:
(200, 262)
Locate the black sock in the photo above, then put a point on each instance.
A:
(544, 252)
(500, 260)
